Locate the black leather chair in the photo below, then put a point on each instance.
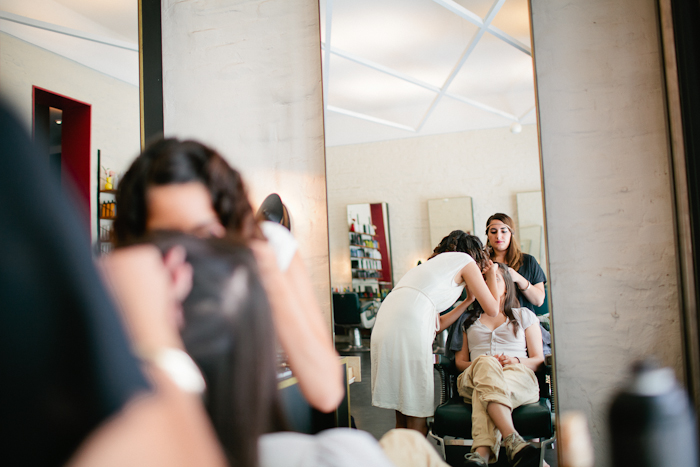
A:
(452, 422)
(350, 313)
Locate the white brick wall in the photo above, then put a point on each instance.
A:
(607, 198)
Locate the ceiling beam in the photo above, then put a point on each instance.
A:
(465, 55)
(482, 106)
(473, 18)
(417, 82)
(369, 118)
(527, 114)
(67, 31)
(378, 67)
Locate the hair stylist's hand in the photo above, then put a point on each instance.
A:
(490, 268)
(148, 289)
(267, 262)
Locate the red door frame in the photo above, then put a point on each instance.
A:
(75, 141)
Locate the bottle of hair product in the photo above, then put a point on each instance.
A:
(651, 421)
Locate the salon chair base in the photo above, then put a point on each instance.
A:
(355, 342)
(451, 425)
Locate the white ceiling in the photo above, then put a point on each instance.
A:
(403, 68)
(100, 34)
(394, 68)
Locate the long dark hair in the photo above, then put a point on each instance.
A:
(458, 240)
(171, 161)
(229, 333)
(508, 302)
(514, 257)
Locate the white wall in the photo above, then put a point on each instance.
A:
(607, 198)
(245, 77)
(115, 104)
(491, 166)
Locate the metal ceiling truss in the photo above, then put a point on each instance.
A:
(68, 31)
(484, 26)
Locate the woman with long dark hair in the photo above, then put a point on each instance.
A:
(524, 269)
(189, 187)
(498, 358)
(409, 318)
(226, 329)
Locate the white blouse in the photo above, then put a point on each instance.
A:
(483, 341)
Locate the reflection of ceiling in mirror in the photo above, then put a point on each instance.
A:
(102, 35)
(402, 68)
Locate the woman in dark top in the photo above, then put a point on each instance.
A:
(524, 269)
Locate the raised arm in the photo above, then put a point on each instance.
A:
(484, 291)
(533, 292)
(304, 336)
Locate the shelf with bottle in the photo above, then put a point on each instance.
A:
(366, 274)
(363, 240)
(108, 210)
(364, 252)
(367, 264)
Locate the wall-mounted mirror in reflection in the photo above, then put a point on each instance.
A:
(424, 98)
(531, 226)
(448, 214)
(70, 69)
(369, 242)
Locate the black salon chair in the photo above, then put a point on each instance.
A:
(350, 313)
(452, 422)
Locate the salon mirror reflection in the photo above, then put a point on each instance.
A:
(70, 69)
(448, 214)
(427, 101)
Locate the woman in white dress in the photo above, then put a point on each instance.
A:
(409, 318)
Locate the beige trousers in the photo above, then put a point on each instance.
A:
(487, 381)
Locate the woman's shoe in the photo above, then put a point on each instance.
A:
(474, 459)
(521, 453)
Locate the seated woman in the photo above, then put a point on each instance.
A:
(498, 357)
(189, 187)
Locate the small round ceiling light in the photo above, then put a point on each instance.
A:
(516, 128)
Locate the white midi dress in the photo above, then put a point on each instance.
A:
(402, 337)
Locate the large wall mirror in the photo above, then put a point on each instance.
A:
(76, 52)
(427, 101)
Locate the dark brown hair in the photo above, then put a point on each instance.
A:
(458, 240)
(170, 161)
(508, 302)
(514, 257)
(228, 332)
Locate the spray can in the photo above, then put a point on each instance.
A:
(652, 423)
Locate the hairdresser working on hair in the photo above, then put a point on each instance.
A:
(187, 186)
(409, 318)
(225, 328)
(524, 269)
(498, 357)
